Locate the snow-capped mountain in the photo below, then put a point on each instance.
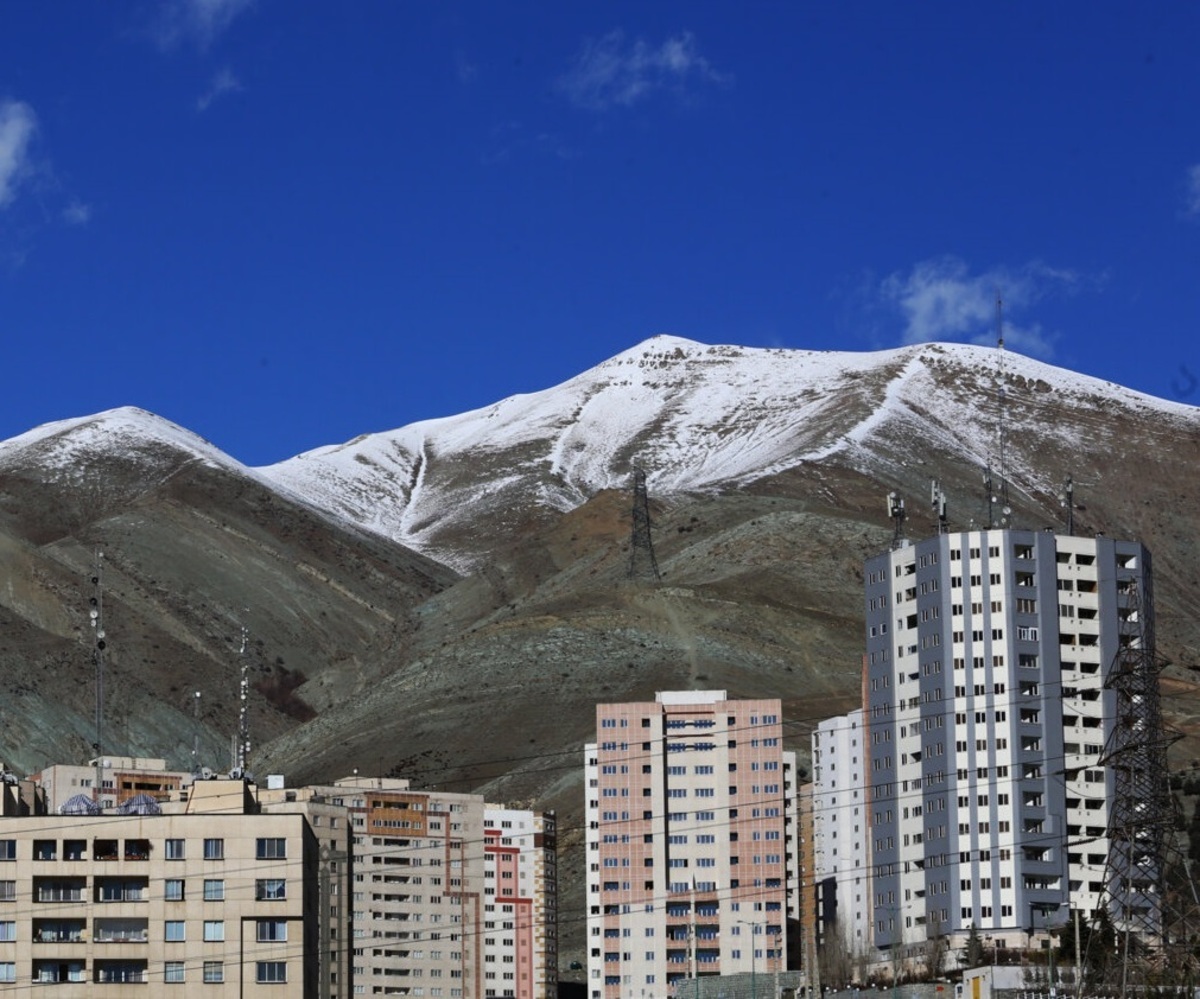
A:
(700, 418)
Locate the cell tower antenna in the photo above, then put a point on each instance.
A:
(242, 755)
(1001, 420)
(642, 563)
(895, 505)
(1067, 499)
(937, 499)
(196, 733)
(99, 644)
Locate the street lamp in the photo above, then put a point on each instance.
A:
(753, 956)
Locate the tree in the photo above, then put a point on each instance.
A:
(973, 951)
(935, 947)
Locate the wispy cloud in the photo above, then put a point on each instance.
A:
(223, 82)
(1192, 196)
(464, 69)
(941, 299)
(614, 72)
(18, 124)
(197, 21)
(77, 213)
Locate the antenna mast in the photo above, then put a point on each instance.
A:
(1001, 428)
(96, 618)
(895, 504)
(243, 743)
(937, 499)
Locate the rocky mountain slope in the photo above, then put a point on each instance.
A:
(449, 600)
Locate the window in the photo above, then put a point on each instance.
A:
(173, 972)
(8, 971)
(8, 931)
(271, 971)
(214, 972)
(214, 849)
(173, 889)
(174, 849)
(270, 889)
(8, 891)
(272, 849)
(8, 849)
(214, 889)
(176, 931)
(214, 931)
(272, 929)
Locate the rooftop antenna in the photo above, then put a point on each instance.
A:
(99, 643)
(196, 733)
(1002, 411)
(937, 499)
(642, 563)
(895, 505)
(1067, 498)
(243, 744)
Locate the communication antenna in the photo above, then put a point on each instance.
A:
(99, 643)
(196, 733)
(243, 743)
(895, 506)
(1001, 428)
(937, 499)
(1067, 498)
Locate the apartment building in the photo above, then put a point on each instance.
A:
(987, 713)
(204, 892)
(692, 864)
(841, 840)
(110, 780)
(435, 886)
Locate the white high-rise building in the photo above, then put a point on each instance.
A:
(841, 842)
(987, 716)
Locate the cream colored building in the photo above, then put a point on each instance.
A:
(208, 891)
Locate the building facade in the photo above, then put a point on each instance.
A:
(841, 841)
(692, 864)
(435, 887)
(207, 892)
(987, 712)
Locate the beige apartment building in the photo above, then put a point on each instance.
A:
(692, 863)
(207, 892)
(451, 898)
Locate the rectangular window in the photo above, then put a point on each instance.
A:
(214, 972)
(270, 889)
(8, 849)
(8, 891)
(214, 849)
(272, 930)
(173, 889)
(8, 971)
(8, 931)
(175, 931)
(174, 849)
(214, 890)
(173, 972)
(272, 849)
(214, 930)
(271, 971)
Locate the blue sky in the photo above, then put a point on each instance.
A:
(282, 224)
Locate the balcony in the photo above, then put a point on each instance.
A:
(119, 931)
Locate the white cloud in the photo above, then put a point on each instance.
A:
(1193, 191)
(223, 82)
(610, 71)
(199, 21)
(77, 213)
(941, 300)
(18, 124)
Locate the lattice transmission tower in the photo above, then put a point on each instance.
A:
(642, 563)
